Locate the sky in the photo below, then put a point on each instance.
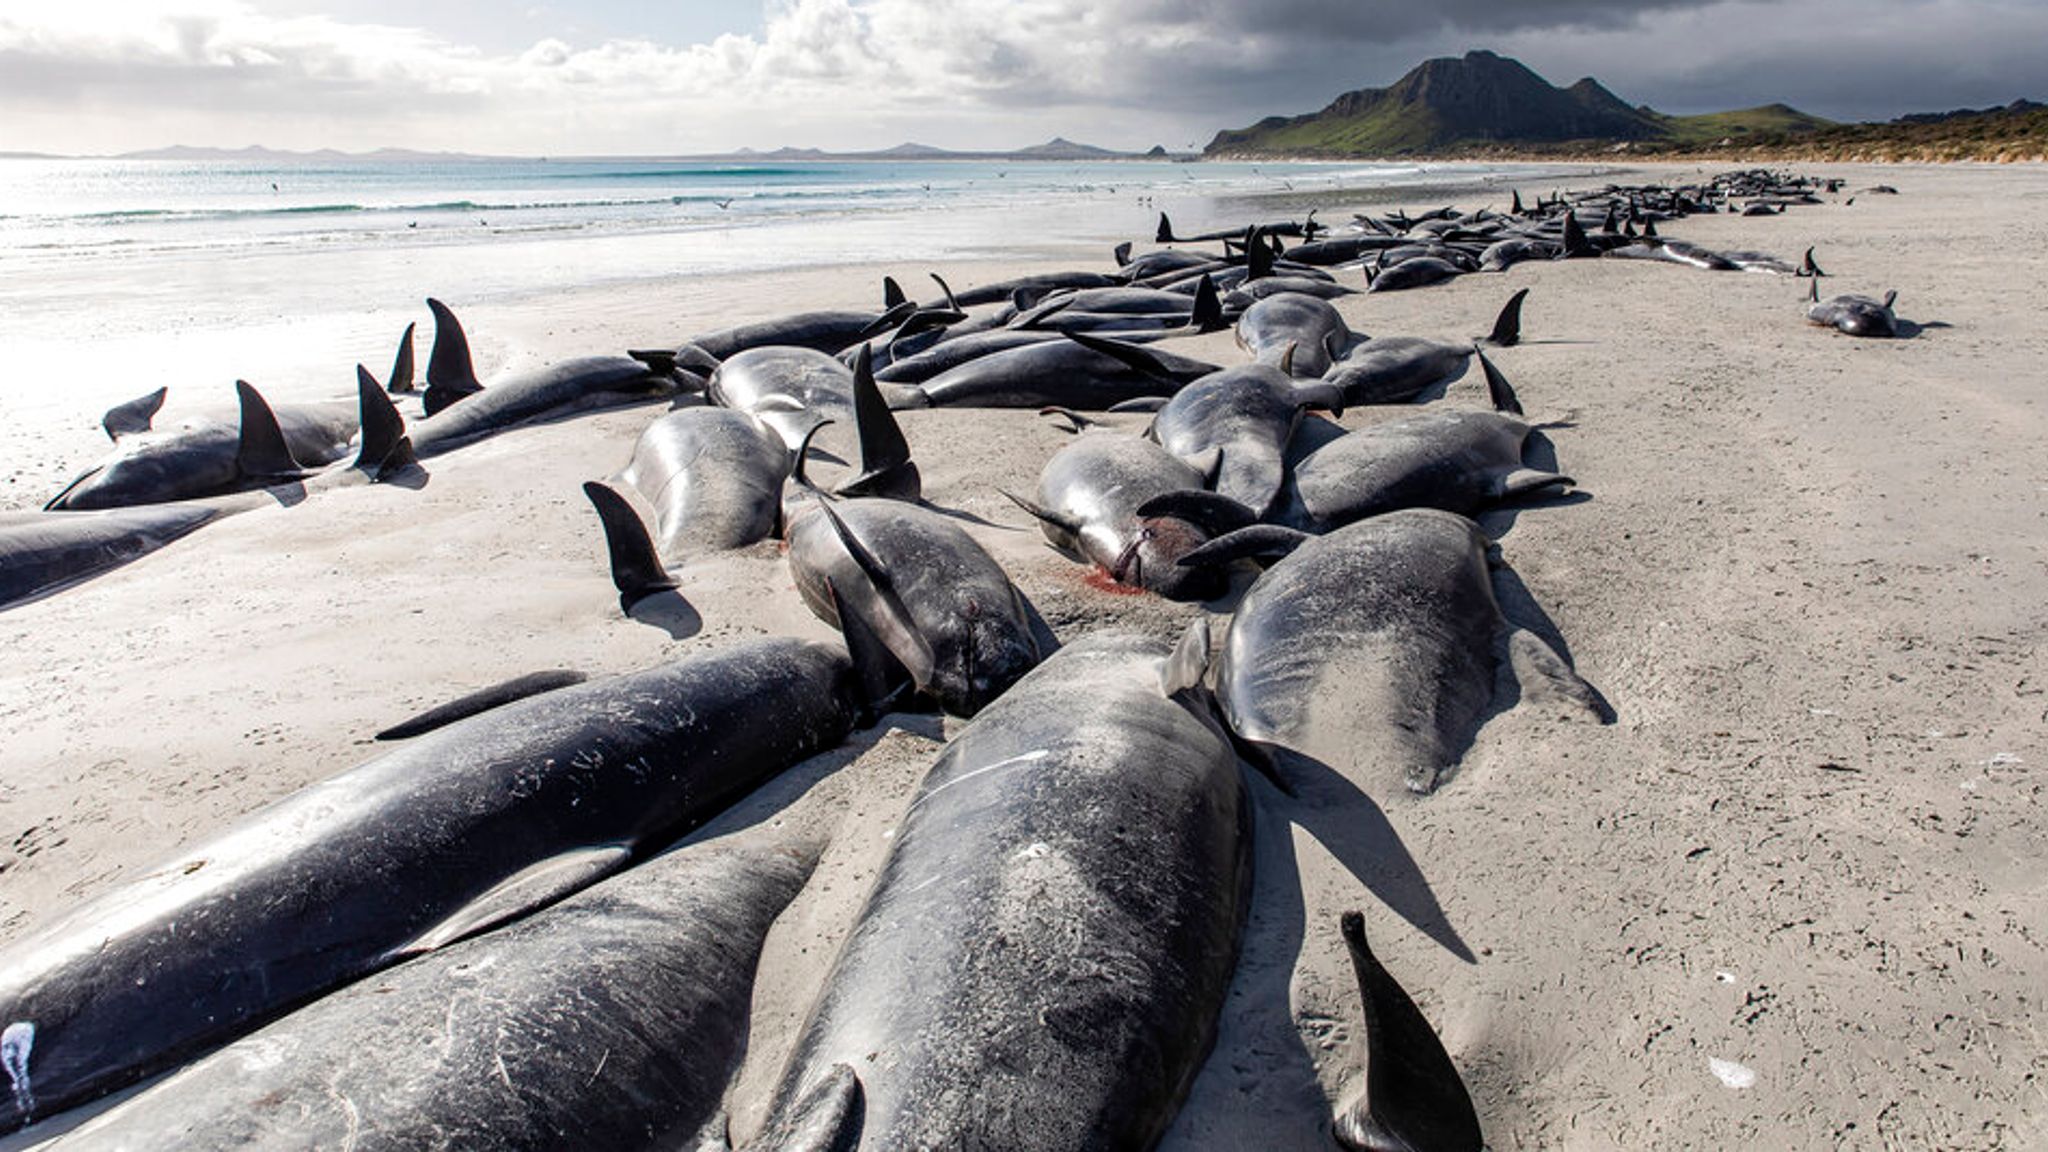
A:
(611, 77)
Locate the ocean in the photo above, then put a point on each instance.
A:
(117, 276)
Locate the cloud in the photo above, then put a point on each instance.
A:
(851, 73)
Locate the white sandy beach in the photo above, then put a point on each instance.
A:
(1810, 574)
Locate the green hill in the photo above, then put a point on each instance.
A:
(1444, 104)
(1488, 105)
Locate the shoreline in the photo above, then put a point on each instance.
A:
(1810, 574)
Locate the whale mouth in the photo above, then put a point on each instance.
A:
(1130, 563)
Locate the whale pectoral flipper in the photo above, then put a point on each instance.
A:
(1499, 392)
(920, 662)
(134, 416)
(1188, 666)
(828, 1118)
(534, 886)
(1266, 541)
(1529, 481)
(1413, 1096)
(482, 700)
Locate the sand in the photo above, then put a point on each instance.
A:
(1809, 573)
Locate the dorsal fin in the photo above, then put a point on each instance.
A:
(1575, 243)
(1498, 391)
(1208, 312)
(1516, 207)
(1287, 357)
(637, 571)
(1065, 524)
(1808, 268)
(885, 466)
(1413, 1096)
(1212, 512)
(134, 416)
(1890, 297)
(385, 447)
(401, 379)
(1507, 327)
(450, 374)
(1269, 541)
(262, 453)
(482, 700)
(892, 293)
(1122, 252)
(1258, 259)
(1165, 233)
(952, 301)
(828, 1117)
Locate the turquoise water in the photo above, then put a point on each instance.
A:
(117, 276)
(68, 208)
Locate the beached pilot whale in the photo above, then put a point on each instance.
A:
(208, 457)
(460, 410)
(1455, 459)
(1375, 649)
(41, 552)
(1394, 369)
(1080, 371)
(614, 1019)
(1042, 960)
(1855, 315)
(927, 590)
(1096, 503)
(463, 828)
(1241, 419)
